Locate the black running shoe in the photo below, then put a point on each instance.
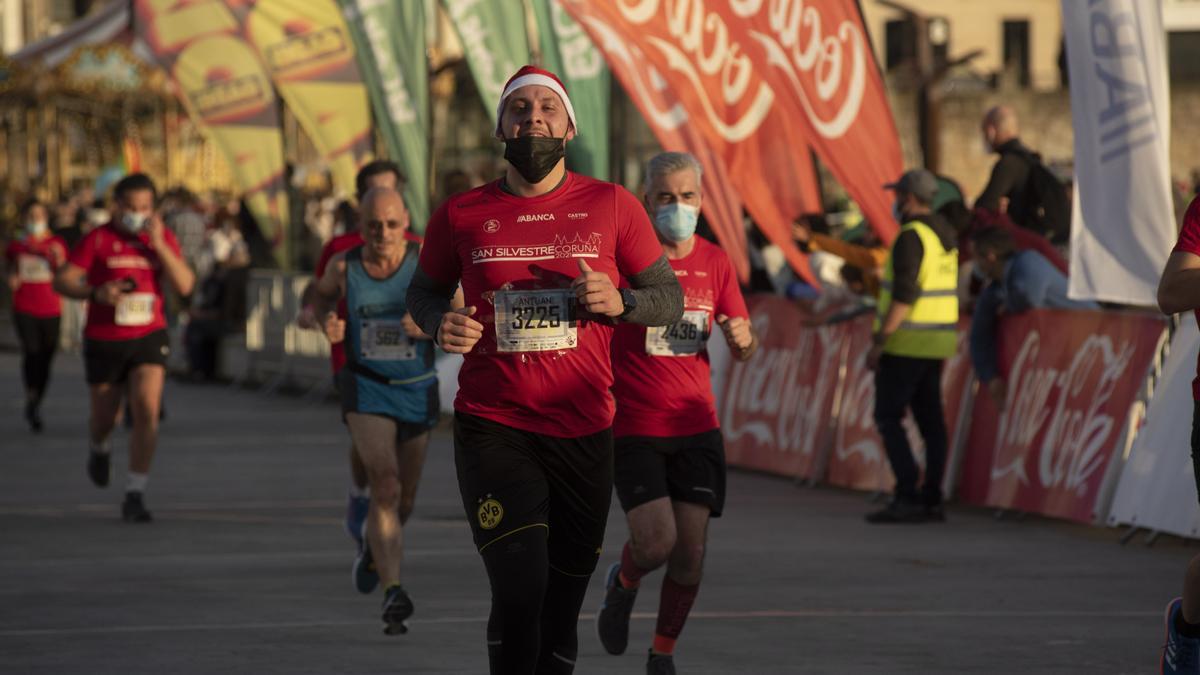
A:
(660, 664)
(899, 511)
(366, 577)
(33, 417)
(99, 468)
(612, 621)
(133, 510)
(397, 607)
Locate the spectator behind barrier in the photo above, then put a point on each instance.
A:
(1018, 281)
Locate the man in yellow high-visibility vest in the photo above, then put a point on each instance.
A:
(915, 331)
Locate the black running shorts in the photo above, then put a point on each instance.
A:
(513, 480)
(685, 468)
(109, 361)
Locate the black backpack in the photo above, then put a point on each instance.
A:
(1049, 208)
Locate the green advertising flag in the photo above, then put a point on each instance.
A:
(495, 43)
(397, 75)
(568, 52)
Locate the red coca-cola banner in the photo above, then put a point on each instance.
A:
(765, 80)
(776, 406)
(698, 79)
(669, 121)
(1072, 377)
(858, 459)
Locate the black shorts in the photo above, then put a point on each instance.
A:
(513, 480)
(685, 468)
(109, 361)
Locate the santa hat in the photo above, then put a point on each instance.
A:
(532, 75)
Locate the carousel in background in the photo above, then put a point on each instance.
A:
(81, 109)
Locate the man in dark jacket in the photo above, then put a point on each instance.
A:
(1010, 189)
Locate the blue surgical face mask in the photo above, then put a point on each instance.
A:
(35, 228)
(134, 222)
(676, 222)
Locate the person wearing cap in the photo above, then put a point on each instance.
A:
(538, 253)
(915, 331)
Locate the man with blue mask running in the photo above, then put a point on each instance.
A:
(123, 269)
(669, 454)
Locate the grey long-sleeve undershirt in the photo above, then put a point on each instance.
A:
(659, 298)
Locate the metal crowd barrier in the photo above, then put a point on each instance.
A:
(278, 352)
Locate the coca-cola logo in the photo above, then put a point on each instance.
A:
(1076, 430)
(777, 397)
(801, 51)
(647, 84)
(701, 50)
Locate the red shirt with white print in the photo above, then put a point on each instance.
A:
(541, 365)
(110, 253)
(1189, 242)
(663, 384)
(35, 261)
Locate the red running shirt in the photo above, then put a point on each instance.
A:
(1189, 242)
(344, 242)
(516, 258)
(663, 385)
(108, 253)
(35, 261)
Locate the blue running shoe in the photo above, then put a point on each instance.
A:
(356, 517)
(366, 577)
(1181, 654)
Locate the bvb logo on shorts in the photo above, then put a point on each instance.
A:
(490, 514)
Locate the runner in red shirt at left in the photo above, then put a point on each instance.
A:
(120, 269)
(31, 261)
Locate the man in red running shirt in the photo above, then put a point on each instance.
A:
(1179, 291)
(539, 253)
(32, 259)
(119, 268)
(670, 457)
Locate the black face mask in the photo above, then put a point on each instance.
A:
(534, 157)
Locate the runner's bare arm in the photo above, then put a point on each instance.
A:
(329, 288)
(176, 269)
(659, 296)
(1179, 288)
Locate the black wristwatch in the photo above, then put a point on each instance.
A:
(629, 300)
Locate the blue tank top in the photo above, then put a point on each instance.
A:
(375, 337)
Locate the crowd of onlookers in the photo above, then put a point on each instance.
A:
(1012, 237)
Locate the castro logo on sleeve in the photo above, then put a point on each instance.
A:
(490, 513)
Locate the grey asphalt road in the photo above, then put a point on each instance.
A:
(246, 568)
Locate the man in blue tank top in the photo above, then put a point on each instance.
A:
(389, 385)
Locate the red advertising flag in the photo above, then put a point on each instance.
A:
(702, 92)
(858, 459)
(1072, 377)
(817, 56)
(776, 406)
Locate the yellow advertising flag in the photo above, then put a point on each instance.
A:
(226, 90)
(309, 55)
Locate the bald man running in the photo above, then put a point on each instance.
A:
(389, 385)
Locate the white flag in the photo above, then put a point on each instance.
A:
(1123, 222)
